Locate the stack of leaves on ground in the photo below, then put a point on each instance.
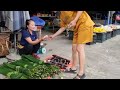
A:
(28, 68)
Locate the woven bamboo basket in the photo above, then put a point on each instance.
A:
(5, 44)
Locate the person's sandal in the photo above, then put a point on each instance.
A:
(79, 76)
(36, 56)
(70, 71)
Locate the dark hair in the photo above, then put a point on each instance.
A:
(28, 22)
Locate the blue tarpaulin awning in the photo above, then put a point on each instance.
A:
(38, 21)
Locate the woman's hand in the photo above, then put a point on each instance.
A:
(51, 37)
(72, 24)
(62, 29)
(45, 37)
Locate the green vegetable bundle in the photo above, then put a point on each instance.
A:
(28, 68)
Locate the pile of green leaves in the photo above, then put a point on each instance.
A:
(28, 68)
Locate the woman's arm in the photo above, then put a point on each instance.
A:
(37, 40)
(28, 39)
(59, 31)
(73, 22)
(78, 15)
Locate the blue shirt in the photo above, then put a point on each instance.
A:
(25, 34)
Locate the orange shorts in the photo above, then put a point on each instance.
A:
(83, 35)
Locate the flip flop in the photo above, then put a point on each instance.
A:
(37, 56)
(70, 71)
(79, 76)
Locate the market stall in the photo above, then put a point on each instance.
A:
(13, 22)
(105, 32)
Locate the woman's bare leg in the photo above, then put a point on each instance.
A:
(81, 57)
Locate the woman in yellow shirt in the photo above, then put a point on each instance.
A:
(82, 26)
